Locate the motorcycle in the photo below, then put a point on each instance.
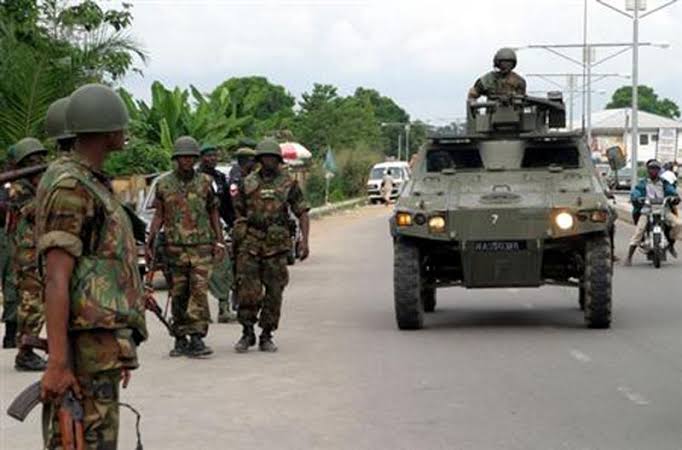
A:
(655, 242)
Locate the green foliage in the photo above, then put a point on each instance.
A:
(648, 101)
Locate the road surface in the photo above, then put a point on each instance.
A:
(500, 369)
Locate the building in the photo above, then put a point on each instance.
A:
(659, 137)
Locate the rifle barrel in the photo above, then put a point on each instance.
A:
(13, 175)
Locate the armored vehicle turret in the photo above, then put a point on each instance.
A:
(515, 202)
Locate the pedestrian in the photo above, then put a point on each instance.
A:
(94, 297)
(20, 226)
(261, 229)
(387, 187)
(187, 209)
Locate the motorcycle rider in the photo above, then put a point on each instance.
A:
(669, 173)
(653, 187)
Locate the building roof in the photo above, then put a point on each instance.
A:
(620, 119)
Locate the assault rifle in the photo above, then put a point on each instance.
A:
(17, 174)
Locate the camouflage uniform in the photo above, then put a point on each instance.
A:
(262, 230)
(10, 298)
(498, 84)
(77, 213)
(30, 314)
(187, 206)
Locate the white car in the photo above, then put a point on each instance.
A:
(398, 170)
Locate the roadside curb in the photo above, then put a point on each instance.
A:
(321, 211)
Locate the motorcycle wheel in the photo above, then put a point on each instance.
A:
(656, 257)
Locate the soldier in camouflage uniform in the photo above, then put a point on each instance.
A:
(187, 209)
(10, 297)
(262, 233)
(30, 315)
(502, 81)
(94, 297)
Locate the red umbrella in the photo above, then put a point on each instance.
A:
(293, 151)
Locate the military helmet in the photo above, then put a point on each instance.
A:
(245, 152)
(248, 142)
(206, 148)
(268, 146)
(95, 108)
(27, 147)
(55, 120)
(186, 146)
(504, 54)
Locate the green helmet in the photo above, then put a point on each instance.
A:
(185, 146)
(55, 120)
(27, 147)
(95, 108)
(268, 146)
(247, 142)
(504, 54)
(245, 152)
(207, 148)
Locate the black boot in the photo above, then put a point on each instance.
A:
(10, 339)
(631, 253)
(181, 347)
(266, 344)
(197, 348)
(28, 361)
(247, 340)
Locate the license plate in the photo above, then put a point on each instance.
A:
(657, 229)
(500, 246)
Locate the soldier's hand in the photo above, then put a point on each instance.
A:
(303, 250)
(218, 252)
(125, 378)
(56, 381)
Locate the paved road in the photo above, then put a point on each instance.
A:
(505, 369)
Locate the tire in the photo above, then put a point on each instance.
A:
(597, 285)
(429, 299)
(407, 282)
(581, 296)
(656, 258)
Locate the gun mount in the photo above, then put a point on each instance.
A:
(516, 115)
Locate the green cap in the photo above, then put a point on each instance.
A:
(27, 147)
(245, 152)
(55, 120)
(96, 108)
(268, 146)
(207, 148)
(185, 146)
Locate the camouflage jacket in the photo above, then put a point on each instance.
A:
(495, 84)
(263, 212)
(187, 207)
(77, 212)
(21, 192)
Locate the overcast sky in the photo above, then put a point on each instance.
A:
(423, 53)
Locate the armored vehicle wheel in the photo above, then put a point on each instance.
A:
(409, 309)
(429, 299)
(581, 296)
(598, 276)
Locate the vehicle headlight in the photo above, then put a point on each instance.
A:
(564, 220)
(437, 224)
(403, 219)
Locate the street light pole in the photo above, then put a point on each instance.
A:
(407, 142)
(588, 116)
(635, 93)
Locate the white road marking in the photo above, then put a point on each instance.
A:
(580, 356)
(635, 397)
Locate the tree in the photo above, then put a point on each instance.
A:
(386, 110)
(648, 101)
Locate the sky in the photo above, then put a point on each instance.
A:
(424, 54)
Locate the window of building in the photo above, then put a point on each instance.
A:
(643, 139)
(654, 137)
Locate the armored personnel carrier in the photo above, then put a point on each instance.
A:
(513, 202)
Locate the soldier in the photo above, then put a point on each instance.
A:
(55, 125)
(220, 283)
(502, 81)
(246, 160)
(261, 229)
(94, 297)
(10, 298)
(187, 209)
(30, 314)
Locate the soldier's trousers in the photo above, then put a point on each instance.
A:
(190, 268)
(260, 284)
(9, 288)
(31, 311)
(220, 283)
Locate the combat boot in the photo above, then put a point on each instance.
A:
(631, 253)
(181, 347)
(197, 348)
(224, 313)
(28, 361)
(10, 339)
(266, 344)
(248, 340)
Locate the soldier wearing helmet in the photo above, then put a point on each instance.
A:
(55, 125)
(502, 81)
(262, 231)
(21, 218)
(94, 297)
(653, 187)
(187, 209)
(9, 291)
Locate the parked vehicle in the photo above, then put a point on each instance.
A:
(620, 180)
(398, 170)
